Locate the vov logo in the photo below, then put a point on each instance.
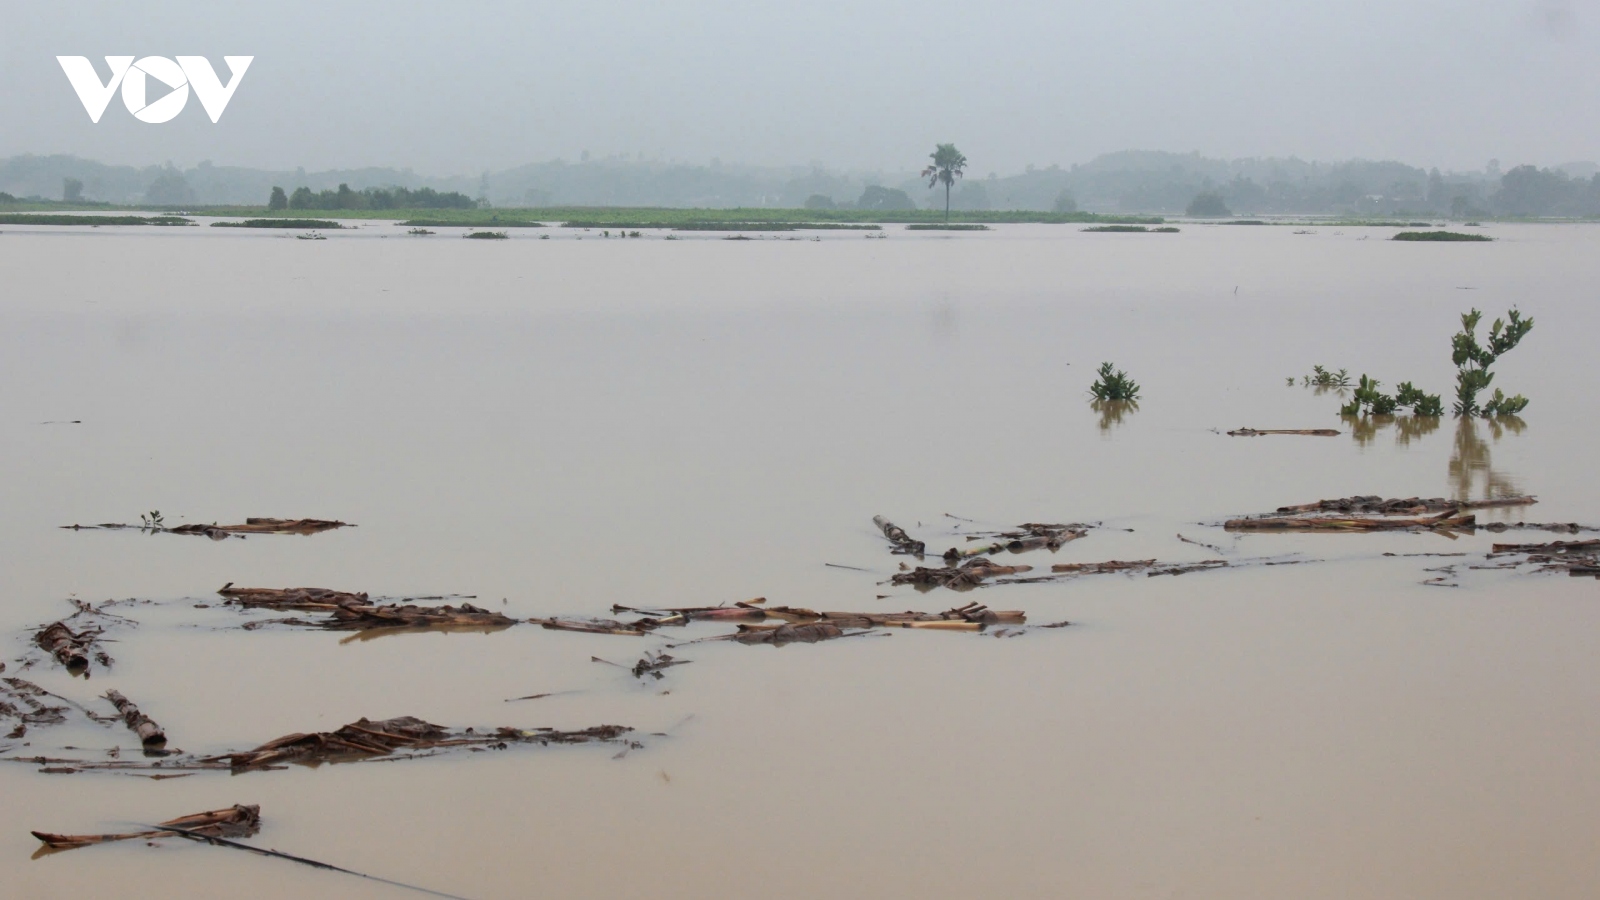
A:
(134, 77)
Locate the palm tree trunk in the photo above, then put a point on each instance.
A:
(947, 203)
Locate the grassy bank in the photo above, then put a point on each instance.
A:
(59, 219)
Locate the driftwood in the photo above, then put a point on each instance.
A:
(969, 617)
(1447, 521)
(1312, 432)
(353, 612)
(222, 532)
(684, 614)
(966, 576)
(1407, 506)
(70, 648)
(1028, 536)
(306, 598)
(365, 738)
(266, 526)
(233, 822)
(150, 734)
(361, 618)
(1102, 568)
(903, 543)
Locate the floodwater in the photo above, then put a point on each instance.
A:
(554, 426)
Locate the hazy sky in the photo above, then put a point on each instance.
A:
(460, 87)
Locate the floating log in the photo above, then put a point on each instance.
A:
(1101, 568)
(307, 598)
(70, 648)
(235, 821)
(1311, 432)
(351, 617)
(365, 738)
(150, 734)
(1446, 522)
(1407, 506)
(589, 625)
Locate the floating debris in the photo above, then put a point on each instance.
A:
(303, 598)
(650, 664)
(19, 700)
(70, 648)
(964, 577)
(1408, 506)
(1028, 536)
(234, 822)
(1449, 520)
(366, 739)
(354, 612)
(1576, 558)
(150, 734)
(1310, 432)
(589, 625)
(782, 635)
(903, 543)
(222, 532)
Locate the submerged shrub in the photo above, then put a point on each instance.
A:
(1113, 385)
(1368, 400)
(1473, 361)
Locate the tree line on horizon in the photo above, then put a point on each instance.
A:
(370, 198)
(1127, 182)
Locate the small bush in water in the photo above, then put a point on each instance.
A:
(1113, 385)
(1473, 361)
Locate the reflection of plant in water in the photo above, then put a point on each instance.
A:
(1112, 411)
(1406, 428)
(1470, 458)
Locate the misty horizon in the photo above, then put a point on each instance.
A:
(461, 91)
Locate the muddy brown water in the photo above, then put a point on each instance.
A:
(556, 426)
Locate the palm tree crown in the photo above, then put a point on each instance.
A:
(948, 165)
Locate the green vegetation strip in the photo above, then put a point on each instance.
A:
(24, 219)
(1439, 236)
(278, 223)
(487, 235)
(479, 223)
(941, 226)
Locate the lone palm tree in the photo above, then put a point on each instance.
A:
(948, 164)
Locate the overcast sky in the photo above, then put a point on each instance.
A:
(460, 87)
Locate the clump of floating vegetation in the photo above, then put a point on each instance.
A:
(1113, 384)
(278, 223)
(1132, 229)
(942, 226)
(54, 219)
(1439, 236)
(1473, 361)
(486, 235)
(1368, 400)
(419, 231)
(1321, 377)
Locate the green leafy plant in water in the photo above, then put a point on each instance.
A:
(1113, 384)
(1473, 360)
(1321, 377)
(152, 520)
(1368, 400)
